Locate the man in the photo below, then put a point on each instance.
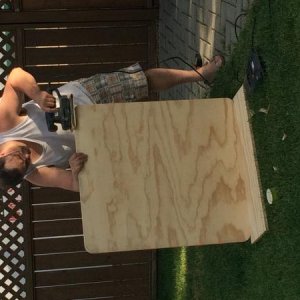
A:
(29, 151)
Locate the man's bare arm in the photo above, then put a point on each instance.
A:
(60, 178)
(20, 82)
(53, 177)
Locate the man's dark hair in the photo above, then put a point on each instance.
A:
(9, 177)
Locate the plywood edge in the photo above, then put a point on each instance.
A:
(257, 214)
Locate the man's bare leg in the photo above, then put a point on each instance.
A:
(162, 78)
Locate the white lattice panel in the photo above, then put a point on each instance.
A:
(12, 255)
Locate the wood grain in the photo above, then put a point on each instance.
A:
(162, 174)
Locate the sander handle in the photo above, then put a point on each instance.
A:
(63, 114)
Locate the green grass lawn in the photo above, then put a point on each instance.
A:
(269, 269)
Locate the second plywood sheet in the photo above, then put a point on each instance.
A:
(161, 174)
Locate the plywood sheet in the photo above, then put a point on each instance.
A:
(162, 174)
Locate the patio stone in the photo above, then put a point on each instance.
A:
(187, 27)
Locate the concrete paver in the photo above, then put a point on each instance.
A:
(187, 27)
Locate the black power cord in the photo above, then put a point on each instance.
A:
(255, 66)
(236, 24)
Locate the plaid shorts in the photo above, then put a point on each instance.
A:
(117, 86)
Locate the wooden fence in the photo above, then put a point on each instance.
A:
(42, 255)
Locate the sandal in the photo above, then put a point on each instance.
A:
(198, 60)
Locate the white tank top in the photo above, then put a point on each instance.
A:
(57, 146)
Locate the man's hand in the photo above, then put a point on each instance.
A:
(77, 161)
(46, 101)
